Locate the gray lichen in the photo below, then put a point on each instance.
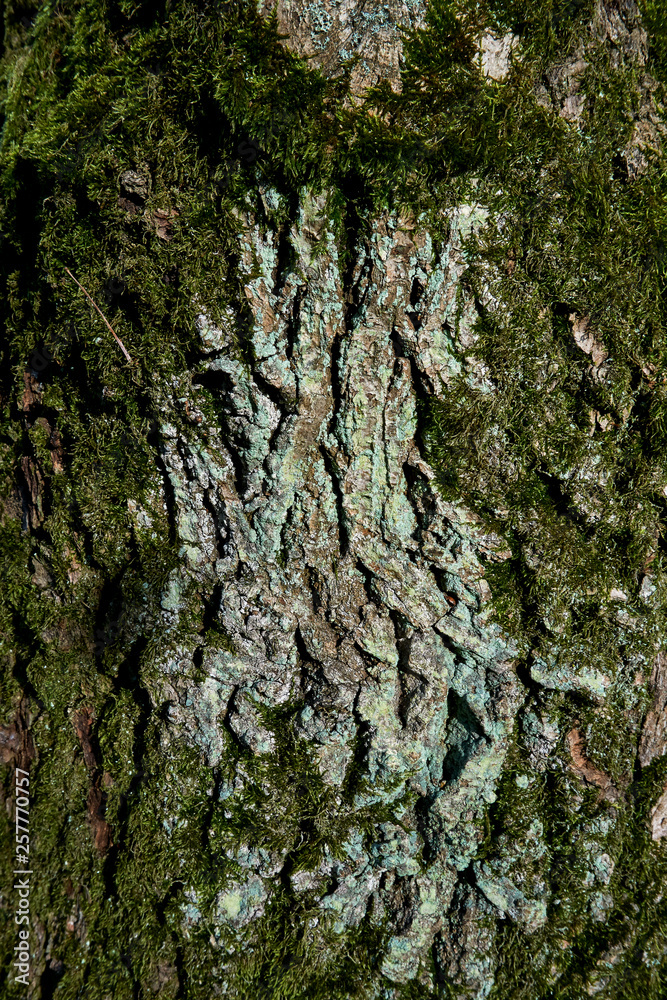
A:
(346, 582)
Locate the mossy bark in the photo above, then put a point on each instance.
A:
(333, 456)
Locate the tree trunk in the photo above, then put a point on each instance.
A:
(334, 592)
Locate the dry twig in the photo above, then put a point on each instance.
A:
(109, 326)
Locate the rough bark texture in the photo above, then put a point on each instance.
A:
(345, 583)
(368, 36)
(333, 623)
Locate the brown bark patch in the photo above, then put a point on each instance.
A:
(32, 489)
(54, 442)
(586, 341)
(653, 742)
(31, 393)
(82, 720)
(16, 742)
(586, 770)
(163, 221)
(99, 827)
(128, 205)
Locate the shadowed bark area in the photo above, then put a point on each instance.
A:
(332, 454)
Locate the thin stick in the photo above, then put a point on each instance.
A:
(109, 326)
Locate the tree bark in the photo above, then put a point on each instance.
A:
(282, 738)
